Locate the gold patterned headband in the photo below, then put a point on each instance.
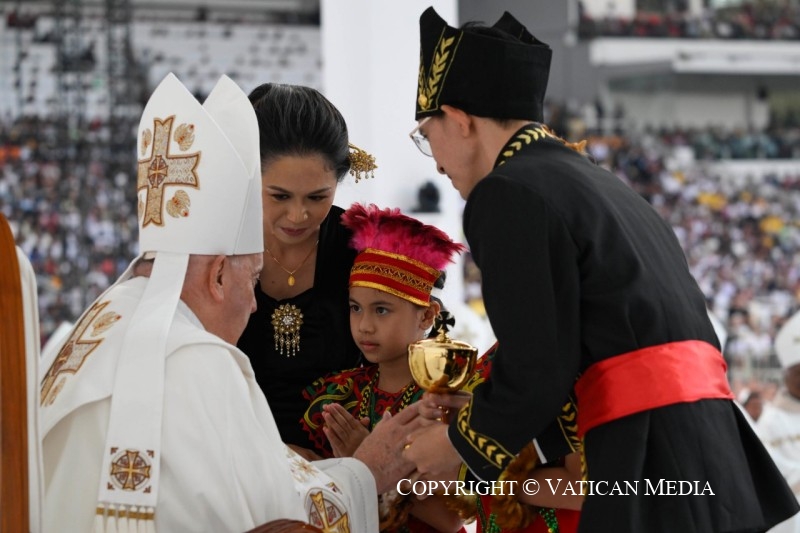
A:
(361, 163)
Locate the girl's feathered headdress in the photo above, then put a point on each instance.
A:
(397, 254)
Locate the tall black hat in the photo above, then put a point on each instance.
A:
(483, 75)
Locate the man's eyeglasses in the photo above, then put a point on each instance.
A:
(420, 140)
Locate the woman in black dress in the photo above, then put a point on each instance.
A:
(301, 329)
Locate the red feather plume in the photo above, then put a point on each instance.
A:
(391, 231)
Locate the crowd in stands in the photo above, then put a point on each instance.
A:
(742, 240)
(779, 140)
(750, 20)
(75, 222)
(74, 217)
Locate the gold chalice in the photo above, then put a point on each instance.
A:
(441, 364)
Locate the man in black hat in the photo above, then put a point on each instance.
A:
(586, 287)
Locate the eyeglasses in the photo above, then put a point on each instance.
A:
(420, 140)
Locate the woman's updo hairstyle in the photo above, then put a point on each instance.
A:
(294, 120)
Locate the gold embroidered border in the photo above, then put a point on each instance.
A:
(568, 421)
(488, 448)
(473, 382)
(405, 258)
(390, 290)
(76, 350)
(527, 135)
(400, 276)
(536, 134)
(325, 514)
(344, 391)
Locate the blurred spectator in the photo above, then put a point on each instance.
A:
(759, 20)
(752, 402)
(779, 425)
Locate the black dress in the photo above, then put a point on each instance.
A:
(326, 344)
(577, 269)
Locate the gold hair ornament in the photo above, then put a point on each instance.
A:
(361, 163)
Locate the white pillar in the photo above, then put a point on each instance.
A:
(370, 61)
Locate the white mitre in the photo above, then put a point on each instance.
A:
(199, 192)
(199, 179)
(787, 342)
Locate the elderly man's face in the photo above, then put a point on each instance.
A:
(241, 275)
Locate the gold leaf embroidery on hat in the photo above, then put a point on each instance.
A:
(361, 162)
(147, 138)
(140, 209)
(178, 205)
(104, 322)
(73, 353)
(184, 136)
(286, 322)
(162, 170)
(429, 86)
(130, 470)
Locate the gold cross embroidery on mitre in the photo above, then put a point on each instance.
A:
(163, 169)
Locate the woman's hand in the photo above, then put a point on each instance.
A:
(344, 431)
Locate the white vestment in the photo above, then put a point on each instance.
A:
(779, 428)
(223, 466)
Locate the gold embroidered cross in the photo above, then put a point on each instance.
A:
(329, 518)
(163, 169)
(157, 172)
(72, 354)
(130, 470)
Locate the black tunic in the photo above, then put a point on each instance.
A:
(326, 344)
(577, 268)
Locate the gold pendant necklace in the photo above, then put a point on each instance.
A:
(291, 279)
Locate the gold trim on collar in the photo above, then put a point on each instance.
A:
(536, 132)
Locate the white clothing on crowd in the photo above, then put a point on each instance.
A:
(779, 424)
(779, 428)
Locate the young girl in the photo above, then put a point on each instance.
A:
(399, 261)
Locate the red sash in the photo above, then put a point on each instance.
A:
(652, 377)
